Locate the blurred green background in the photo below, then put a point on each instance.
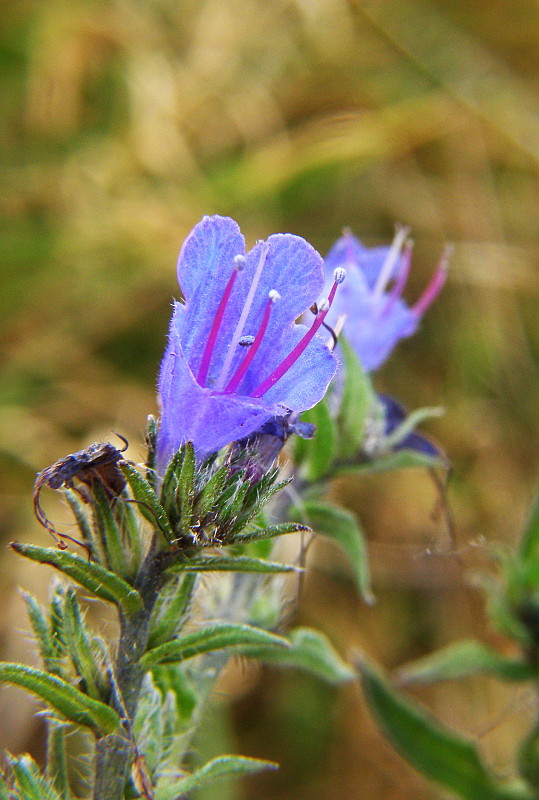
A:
(123, 122)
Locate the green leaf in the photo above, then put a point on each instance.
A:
(60, 695)
(208, 497)
(109, 532)
(321, 449)
(435, 751)
(149, 505)
(79, 646)
(270, 532)
(29, 781)
(42, 632)
(57, 768)
(230, 564)
(148, 725)
(402, 459)
(357, 397)
(216, 768)
(170, 610)
(185, 492)
(93, 577)
(460, 660)
(309, 650)
(213, 637)
(342, 527)
(83, 524)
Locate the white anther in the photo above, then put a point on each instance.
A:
(246, 340)
(339, 274)
(239, 261)
(274, 295)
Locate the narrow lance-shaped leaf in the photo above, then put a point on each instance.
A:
(171, 608)
(217, 768)
(83, 524)
(72, 704)
(460, 660)
(214, 637)
(270, 532)
(42, 633)
(93, 577)
(57, 768)
(230, 564)
(342, 527)
(149, 505)
(29, 782)
(434, 750)
(110, 534)
(78, 645)
(309, 650)
(185, 493)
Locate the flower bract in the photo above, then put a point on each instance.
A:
(235, 357)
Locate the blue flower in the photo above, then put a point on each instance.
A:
(235, 359)
(370, 305)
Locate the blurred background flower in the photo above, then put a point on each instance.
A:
(123, 123)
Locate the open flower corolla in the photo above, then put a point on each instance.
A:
(235, 357)
(370, 303)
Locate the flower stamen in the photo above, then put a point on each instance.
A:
(435, 285)
(212, 338)
(391, 259)
(323, 308)
(238, 376)
(404, 270)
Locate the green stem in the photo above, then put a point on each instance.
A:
(115, 753)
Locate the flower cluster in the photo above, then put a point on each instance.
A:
(237, 361)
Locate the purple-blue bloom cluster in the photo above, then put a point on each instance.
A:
(235, 357)
(370, 304)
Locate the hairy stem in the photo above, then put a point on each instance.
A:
(115, 753)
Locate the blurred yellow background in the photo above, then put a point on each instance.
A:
(124, 121)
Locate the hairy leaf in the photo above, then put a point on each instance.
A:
(213, 637)
(93, 577)
(216, 768)
(60, 695)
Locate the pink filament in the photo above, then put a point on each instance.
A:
(212, 338)
(435, 285)
(235, 380)
(400, 283)
(294, 354)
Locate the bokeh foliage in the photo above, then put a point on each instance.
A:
(123, 122)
